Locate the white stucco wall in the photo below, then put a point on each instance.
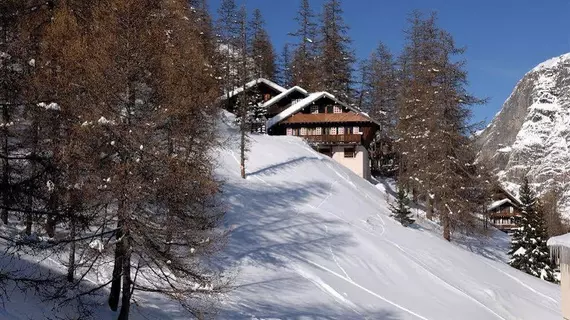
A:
(359, 164)
(565, 287)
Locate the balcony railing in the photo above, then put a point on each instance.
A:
(339, 138)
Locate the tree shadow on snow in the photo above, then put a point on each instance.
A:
(273, 169)
(272, 225)
(274, 231)
(27, 299)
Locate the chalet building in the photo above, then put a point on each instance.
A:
(560, 251)
(504, 211)
(263, 88)
(332, 127)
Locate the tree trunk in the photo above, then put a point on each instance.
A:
(429, 213)
(126, 299)
(29, 218)
(446, 227)
(71, 264)
(115, 291)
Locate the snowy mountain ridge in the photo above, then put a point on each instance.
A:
(531, 133)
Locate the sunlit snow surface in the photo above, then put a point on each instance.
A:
(311, 240)
(314, 241)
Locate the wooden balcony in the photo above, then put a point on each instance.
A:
(334, 139)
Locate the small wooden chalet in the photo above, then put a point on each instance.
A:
(263, 88)
(329, 125)
(504, 210)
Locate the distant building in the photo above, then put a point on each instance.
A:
(329, 125)
(560, 250)
(504, 211)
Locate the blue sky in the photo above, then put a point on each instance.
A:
(504, 38)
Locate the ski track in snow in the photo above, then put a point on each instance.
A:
(523, 284)
(447, 284)
(323, 268)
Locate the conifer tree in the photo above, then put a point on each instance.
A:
(228, 30)
(285, 74)
(245, 103)
(529, 252)
(303, 66)
(379, 89)
(262, 51)
(336, 57)
(401, 211)
(436, 155)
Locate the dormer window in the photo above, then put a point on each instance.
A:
(314, 109)
(337, 109)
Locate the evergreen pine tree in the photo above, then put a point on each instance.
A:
(303, 68)
(261, 49)
(435, 151)
(401, 211)
(336, 58)
(285, 74)
(529, 252)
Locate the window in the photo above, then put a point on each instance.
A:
(333, 131)
(266, 97)
(337, 109)
(319, 131)
(289, 131)
(511, 209)
(341, 130)
(314, 109)
(349, 152)
(303, 131)
(356, 130)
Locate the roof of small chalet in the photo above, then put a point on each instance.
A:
(560, 241)
(251, 84)
(499, 203)
(513, 199)
(284, 94)
(560, 248)
(309, 100)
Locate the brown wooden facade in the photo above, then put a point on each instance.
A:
(328, 122)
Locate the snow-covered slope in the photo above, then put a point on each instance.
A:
(314, 241)
(531, 133)
(311, 240)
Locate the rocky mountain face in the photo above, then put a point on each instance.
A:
(531, 133)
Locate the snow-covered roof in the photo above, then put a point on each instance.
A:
(498, 203)
(307, 101)
(559, 241)
(251, 84)
(560, 247)
(282, 95)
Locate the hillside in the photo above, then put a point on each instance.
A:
(313, 240)
(531, 133)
